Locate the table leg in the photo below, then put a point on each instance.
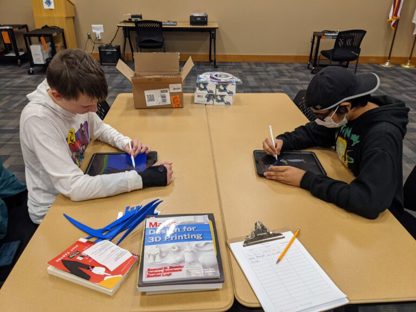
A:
(315, 57)
(131, 46)
(215, 47)
(125, 29)
(210, 45)
(311, 51)
(14, 45)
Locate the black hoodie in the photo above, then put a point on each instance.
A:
(371, 146)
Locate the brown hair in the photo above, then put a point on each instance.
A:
(73, 72)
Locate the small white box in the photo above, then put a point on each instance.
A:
(39, 55)
(215, 88)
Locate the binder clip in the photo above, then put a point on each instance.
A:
(260, 235)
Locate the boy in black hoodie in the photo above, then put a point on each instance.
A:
(367, 132)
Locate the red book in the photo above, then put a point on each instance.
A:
(74, 265)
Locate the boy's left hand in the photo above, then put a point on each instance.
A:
(137, 148)
(285, 174)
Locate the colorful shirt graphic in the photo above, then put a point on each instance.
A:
(78, 142)
(344, 143)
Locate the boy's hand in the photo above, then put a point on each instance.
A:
(270, 149)
(285, 174)
(136, 147)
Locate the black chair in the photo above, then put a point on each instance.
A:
(409, 191)
(346, 48)
(149, 35)
(102, 109)
(299, 100)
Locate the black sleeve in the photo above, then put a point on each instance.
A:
(154, 176)
(306, 136)
(373, 190)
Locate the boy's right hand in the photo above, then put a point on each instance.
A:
(270, 149)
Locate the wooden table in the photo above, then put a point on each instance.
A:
(211, 148)
(370, 260)
(178, 135)
(211, 28)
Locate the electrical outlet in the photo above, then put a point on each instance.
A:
(97, 29)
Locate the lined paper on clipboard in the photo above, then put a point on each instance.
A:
(297, 283)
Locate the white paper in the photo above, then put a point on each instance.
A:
(49, 4)
(296, 283)
(175, 87)
(108, 254)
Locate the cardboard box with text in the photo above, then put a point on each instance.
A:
(157, 79)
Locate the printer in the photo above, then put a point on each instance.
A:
(136, 17)
(198, 19)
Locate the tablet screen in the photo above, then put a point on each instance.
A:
(305, 160)
(105, 163)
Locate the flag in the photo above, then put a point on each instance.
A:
(394, 14)
(414, 22)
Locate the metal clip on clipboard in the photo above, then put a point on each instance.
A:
(260, 235)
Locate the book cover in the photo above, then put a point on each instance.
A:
(73, 264)
(180, 253)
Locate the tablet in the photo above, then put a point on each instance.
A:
(301, 159)
(105, 163)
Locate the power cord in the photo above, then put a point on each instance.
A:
(94, 42)
(111, 42)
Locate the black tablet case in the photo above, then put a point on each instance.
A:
(96, 165)
(301, 159)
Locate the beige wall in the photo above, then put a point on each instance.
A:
(247, 27)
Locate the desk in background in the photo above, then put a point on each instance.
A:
(315, 43)
(211, 28)
(369, 260)
(178, 135)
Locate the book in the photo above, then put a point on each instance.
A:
(100, 266)
(180, 253)
(296, 283)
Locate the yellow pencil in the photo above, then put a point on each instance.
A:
(288, 246)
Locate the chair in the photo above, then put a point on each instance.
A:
(102, 109)
(409, 191)
(346, 48)
(299, 100)
(149, 35)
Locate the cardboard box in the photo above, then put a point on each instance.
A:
(156, 80)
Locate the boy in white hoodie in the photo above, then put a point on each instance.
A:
(55, 129)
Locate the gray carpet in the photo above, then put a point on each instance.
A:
(257, 77)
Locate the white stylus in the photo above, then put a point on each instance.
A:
(272, 137)
(132, 157)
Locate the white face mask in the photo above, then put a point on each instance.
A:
(328, 122)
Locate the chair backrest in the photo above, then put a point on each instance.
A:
(350, 39)
(102, 109)
(409, 191)
(149, 32)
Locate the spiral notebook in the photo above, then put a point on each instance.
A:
(296, 283)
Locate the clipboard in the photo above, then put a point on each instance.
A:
(296, 283)
(305, 160)
(113, 162)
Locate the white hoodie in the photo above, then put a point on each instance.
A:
(53, 142)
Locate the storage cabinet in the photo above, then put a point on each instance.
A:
(43, 44)
(11, 43)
